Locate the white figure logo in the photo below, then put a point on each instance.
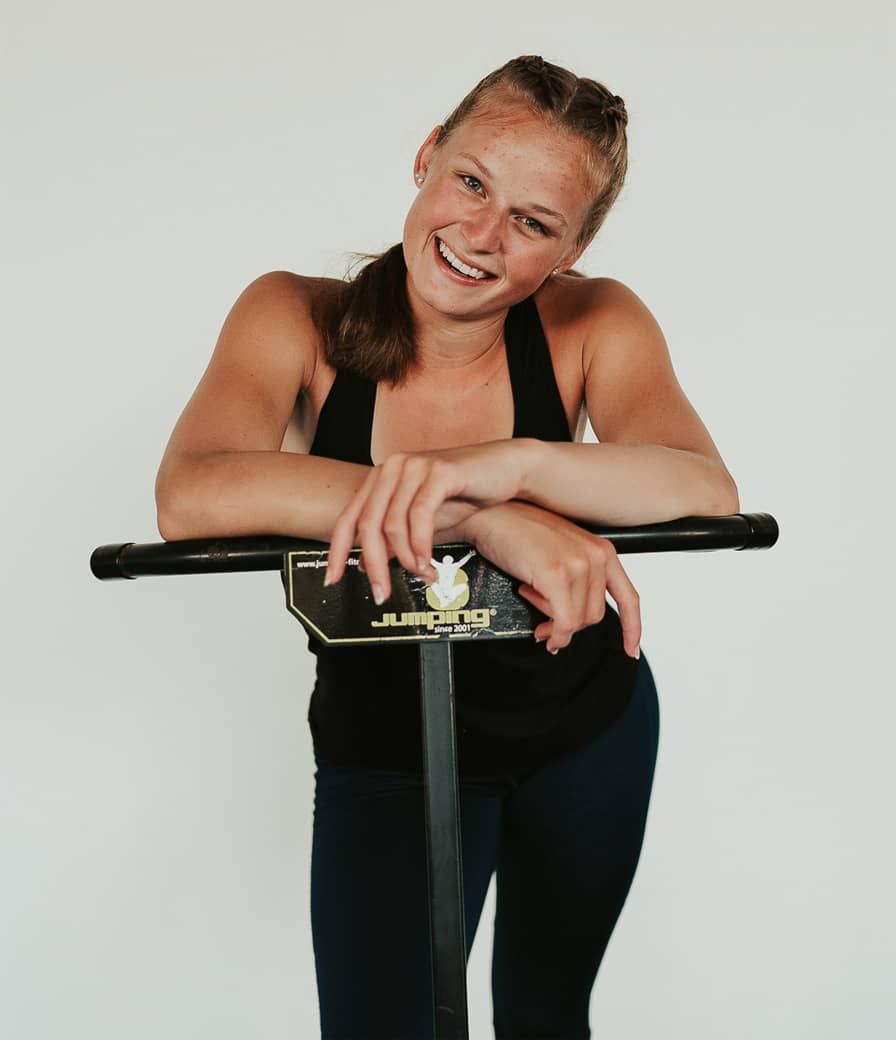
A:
(447, 589)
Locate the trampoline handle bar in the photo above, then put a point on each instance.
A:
(266, 552)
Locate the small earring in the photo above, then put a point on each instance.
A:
(556, 269)
(419, 178)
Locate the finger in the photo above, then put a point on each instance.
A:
(579, 573)
(554, 585)
(533, 596)
(370, 523)
(441, 482)
(343, 536)
(376, 560)
(397, 521)
(628, 603)
(596, 603)
(362, 566)
(543, 629)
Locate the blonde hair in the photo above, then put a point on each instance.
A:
(365, 321)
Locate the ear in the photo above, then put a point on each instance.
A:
(424, 154)
(570, 260)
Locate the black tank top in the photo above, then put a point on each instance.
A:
(517, 707)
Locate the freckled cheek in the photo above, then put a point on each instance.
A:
(416, 229)
(526, 267)
(440, 207)
(417, 212)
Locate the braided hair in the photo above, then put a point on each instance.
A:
(582, 107)
(365, 321)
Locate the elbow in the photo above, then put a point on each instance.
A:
(181, 517)
(181, 493)
(172, 513)
(719, 496)
(170, 527)
(725, 500)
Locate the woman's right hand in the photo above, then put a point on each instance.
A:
(565, 571)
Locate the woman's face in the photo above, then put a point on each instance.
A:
(504, 195)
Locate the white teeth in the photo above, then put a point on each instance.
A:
(459, 265)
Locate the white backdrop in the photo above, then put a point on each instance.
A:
(155, 761)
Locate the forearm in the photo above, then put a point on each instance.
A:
(625, 484)
(254, 492)
(234, 493)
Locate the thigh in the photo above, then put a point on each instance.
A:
(571, 835)
(370, 898)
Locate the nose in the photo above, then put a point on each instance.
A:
(482, 230)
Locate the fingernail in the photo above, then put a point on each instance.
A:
(327, 577)
(554, 651)
(422, 564)
(638, 653)
(378, 596)
(539, 639)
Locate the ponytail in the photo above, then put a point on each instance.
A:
(366, 321)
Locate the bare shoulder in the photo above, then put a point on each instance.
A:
(594, 312)
(597, 329)
(264, 359)
(632, 393)
(279, 310)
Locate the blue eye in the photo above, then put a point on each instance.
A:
(536, 226)
(533, 225)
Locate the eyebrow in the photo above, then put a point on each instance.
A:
(533, 206)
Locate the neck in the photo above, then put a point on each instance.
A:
(450, 344)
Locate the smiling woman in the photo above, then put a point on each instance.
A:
(525, 169)
(440, 395)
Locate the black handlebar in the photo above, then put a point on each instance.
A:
(266, 552)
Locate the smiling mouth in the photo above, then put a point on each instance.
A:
(457, 266)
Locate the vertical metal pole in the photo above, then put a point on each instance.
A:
(443, 844)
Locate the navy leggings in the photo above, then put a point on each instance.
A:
(564, 840)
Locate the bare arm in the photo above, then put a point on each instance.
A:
(223, 472)
(625, 484)
(256, 492)
(655, 460)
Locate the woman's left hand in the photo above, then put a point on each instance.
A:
(394, 511)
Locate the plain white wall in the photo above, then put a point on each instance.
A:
(156, 764)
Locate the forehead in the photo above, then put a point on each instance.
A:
(515, 143)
